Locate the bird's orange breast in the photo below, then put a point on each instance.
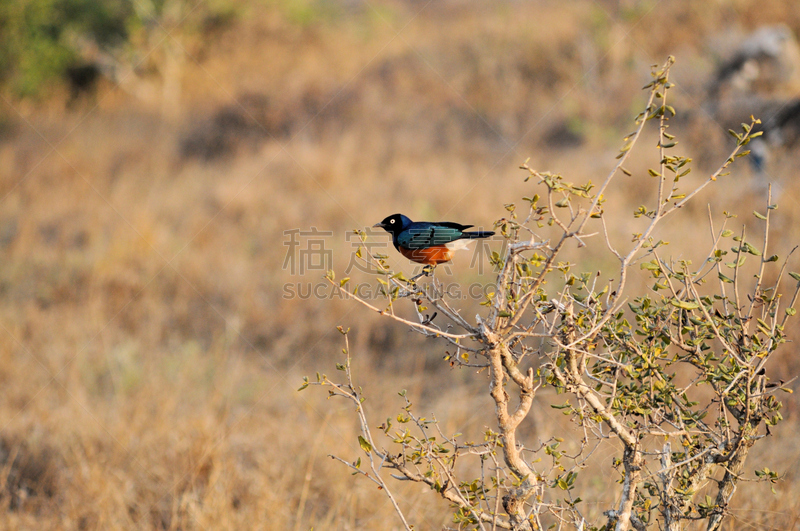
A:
(436, 254)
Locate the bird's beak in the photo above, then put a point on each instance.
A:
(380, 225)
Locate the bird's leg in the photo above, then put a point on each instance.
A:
(429, 270)
(426, 271)
(415, 277)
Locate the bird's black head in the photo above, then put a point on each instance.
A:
(394, 224)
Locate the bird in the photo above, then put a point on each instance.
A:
(426, 242)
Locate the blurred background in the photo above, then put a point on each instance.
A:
(176, 175)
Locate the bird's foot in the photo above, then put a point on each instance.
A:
(429, 319)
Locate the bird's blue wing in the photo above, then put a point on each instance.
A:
(422, 235)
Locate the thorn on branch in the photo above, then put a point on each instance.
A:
(429, 319)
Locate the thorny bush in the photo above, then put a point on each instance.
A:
(674, 377)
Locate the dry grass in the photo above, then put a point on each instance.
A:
(149, 362)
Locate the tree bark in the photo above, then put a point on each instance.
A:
(669, 510)
(632, 461)
(501, 362)
(728, 484)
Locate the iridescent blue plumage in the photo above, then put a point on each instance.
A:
(415, 235)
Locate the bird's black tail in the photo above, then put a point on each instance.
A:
(477, 234)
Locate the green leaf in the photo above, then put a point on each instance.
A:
(738, 263)
(759, 216)
(790, 311)
(365, 445)
(795, 276)
(746, 247)
(727, 233)
(684, 305)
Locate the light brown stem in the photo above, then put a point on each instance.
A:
(500, 361)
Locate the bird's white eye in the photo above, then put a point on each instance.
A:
(391, 221)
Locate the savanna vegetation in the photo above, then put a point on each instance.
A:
(152, 156)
